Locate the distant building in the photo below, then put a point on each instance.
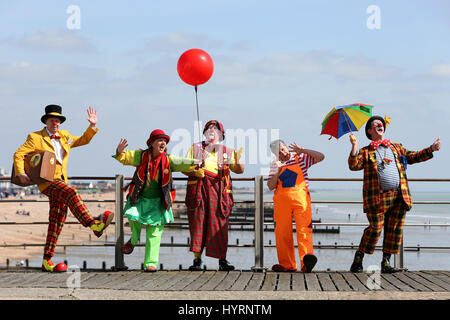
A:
(4, 184)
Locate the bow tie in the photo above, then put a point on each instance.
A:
(54, 137)
(375, 144)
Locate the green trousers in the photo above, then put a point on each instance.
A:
(152, 243)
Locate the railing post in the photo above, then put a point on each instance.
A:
(119, 260)
(398, 258)
(259, 224)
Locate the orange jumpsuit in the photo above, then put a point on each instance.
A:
(292, 199)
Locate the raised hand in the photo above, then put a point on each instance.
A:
(92, 116)
(436, 146)
(353, 140)
(123, 144)
(295, 148)
(239, 154)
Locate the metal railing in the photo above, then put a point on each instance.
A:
(259, 223)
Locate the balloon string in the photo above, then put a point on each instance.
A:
(198, 115)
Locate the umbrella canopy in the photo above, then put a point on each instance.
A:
(343, 119)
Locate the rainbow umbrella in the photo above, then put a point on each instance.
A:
(344, 119)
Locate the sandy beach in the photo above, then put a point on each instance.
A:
(36, 234)
(11, 234)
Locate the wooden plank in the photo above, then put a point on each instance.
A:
(30, 280)
(200, 281)
(325, 281)
(364, 278)
(312, 283)
(7, 277)
(270, 281)
(170, 280)
(13, 279)
(242, 281)
(113, 281)
(155, 283)
(97, 280)
(396, 282)
(229, 280)
(189, 277)
(214, 281)
(436, 280)
(340, 282)
(411, 282)
(354, 281)
(417, 277)
(298, 281)
(284, 281)
(255, 282)
(57, 280)
(134, 280)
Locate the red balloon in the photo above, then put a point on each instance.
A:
(195, 67)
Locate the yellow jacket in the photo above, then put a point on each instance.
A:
(40, 141)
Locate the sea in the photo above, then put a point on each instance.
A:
(416, 239)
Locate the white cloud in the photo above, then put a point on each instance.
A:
(63, 40)
(173, 42)
(441, 70)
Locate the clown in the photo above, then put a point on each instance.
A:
(61, 195)
(209, 195)
(288, 176)
(150, 196)
(386, 193)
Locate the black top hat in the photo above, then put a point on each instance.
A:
(369, 123)
(53, 110)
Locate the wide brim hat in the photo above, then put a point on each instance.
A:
(156, 134)
(369, 122)
(53, 111)
(218, 125)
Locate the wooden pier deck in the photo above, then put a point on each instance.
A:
(241, 284)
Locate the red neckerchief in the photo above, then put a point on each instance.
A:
(375, 144)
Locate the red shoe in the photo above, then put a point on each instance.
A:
(150, 269)
(102, 222)
(127, 248)
(280, 268)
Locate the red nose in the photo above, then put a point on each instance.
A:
(55, 123)
(379, 125)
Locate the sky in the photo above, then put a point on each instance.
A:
(279, 68)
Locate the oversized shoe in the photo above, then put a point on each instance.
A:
(279, 268)
(150, 269)
(49, 266)
(309, 261)
(127, 248)
(102, 222)
(196, 265)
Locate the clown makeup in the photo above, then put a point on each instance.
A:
(53, 124)
(212, 134)
(159, 147)
(376, 130)
(283, 153)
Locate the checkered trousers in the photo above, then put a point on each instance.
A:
(62, 196)
(391, 217)
(208, 220)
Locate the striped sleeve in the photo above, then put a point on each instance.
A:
(273, 169)
(307, 161)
